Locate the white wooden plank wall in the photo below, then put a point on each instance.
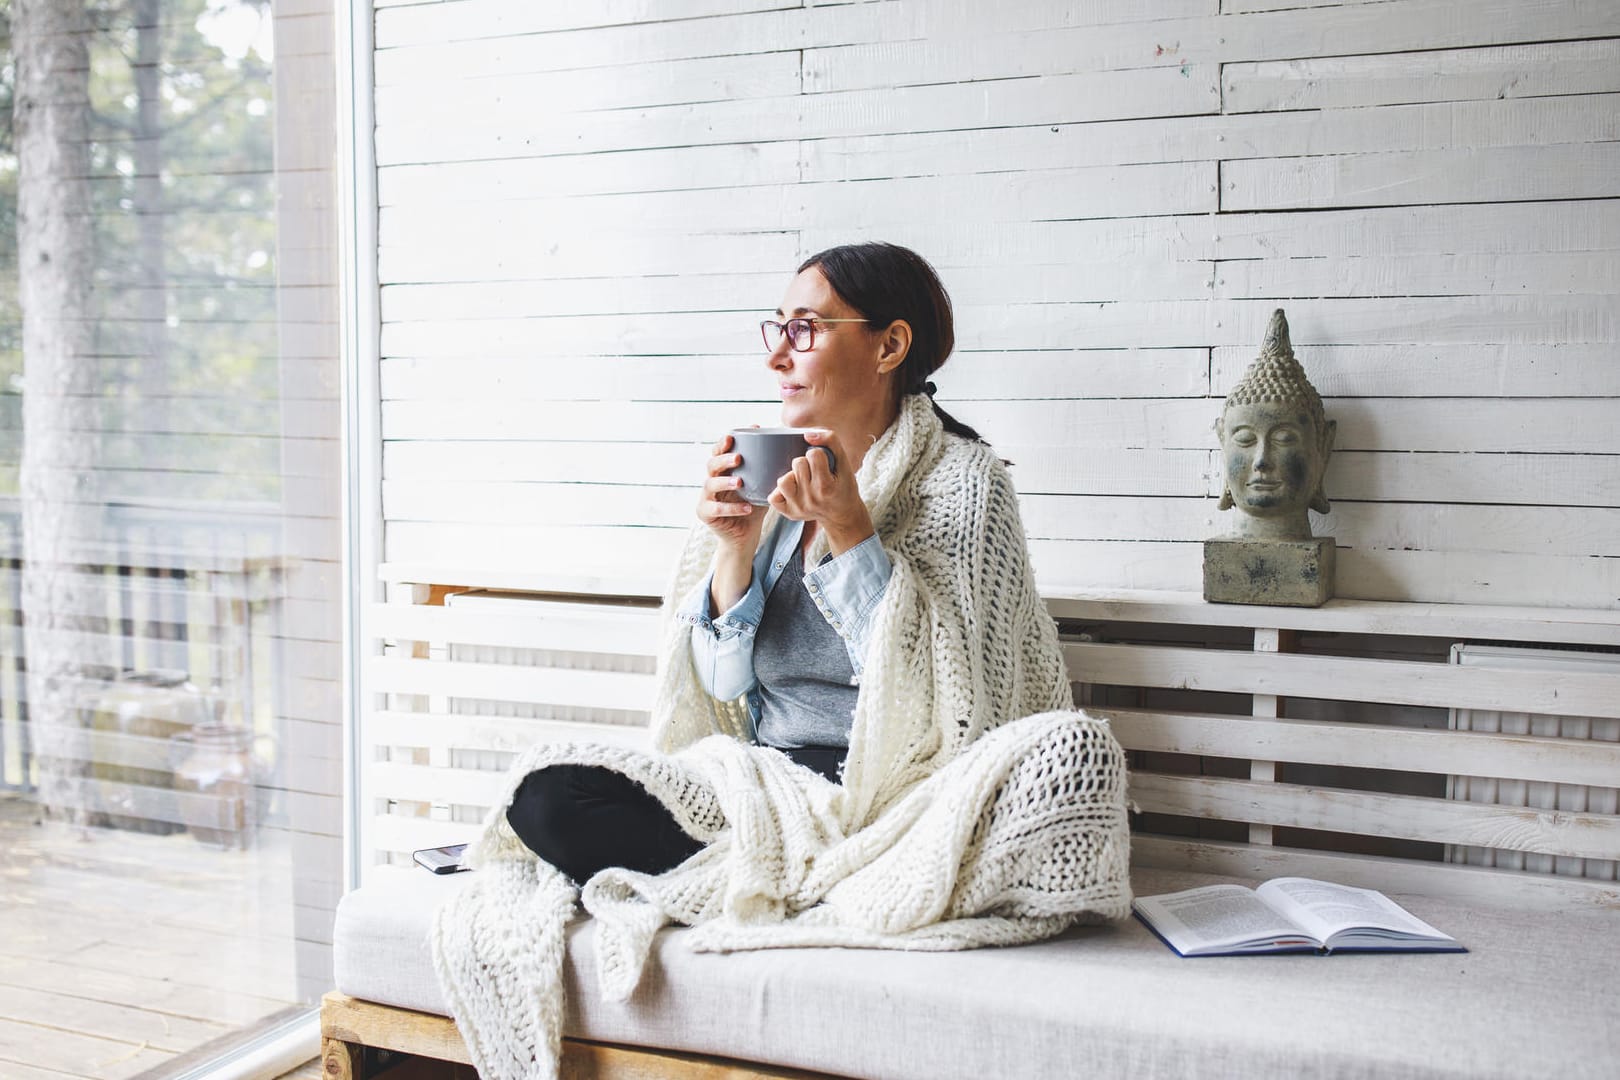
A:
(587, 206)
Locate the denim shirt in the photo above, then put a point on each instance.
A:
(846, 590)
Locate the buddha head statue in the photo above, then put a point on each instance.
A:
(1275, 442)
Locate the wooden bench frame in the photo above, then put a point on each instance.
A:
(354, 1031)
(1266, 674)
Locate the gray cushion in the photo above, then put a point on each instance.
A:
(1536, 996)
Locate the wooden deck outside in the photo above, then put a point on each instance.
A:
(122, 949)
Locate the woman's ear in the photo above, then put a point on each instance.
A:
(893, 345)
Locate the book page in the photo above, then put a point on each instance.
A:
(1326, 909)
(1217, 916)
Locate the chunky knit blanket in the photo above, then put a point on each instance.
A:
(976, 807)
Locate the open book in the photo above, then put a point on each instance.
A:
(1287, 914)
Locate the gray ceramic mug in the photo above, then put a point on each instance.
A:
(767, 455)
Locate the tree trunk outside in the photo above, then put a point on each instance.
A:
(153, 378)
(60, 510)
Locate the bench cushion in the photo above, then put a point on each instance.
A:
(1535, 996)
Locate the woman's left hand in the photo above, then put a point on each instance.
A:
(812, 491)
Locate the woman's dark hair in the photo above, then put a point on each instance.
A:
(885, 282)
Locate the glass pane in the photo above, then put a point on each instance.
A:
(169, 541)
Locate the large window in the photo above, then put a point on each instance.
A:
(170, 757)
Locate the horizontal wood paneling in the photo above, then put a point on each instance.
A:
(1478, 275)
(1039, 469)
(1396, 681)
(1446, 125)
(994, 376)
(616, 295)
(1496, 174)
(554, 686)
(617, 560)
(1557, 531)
(1560, 832)
(638, 42)
(558, 169)
(1519, 480)
(672, 169)
(1563, 761)
(599, 42)
(1451, 577)
(509, 102)
(1579, 426)
(589, 253)
(587, 208)
(959, 49)
(1341, 616)
(571, 627)
(1512, 71)
(466, 20)
(1442, 319)
(1487, 371)
(1393, 231)
(635, 561)
(1093, 192)
(1145, 92)
(508, 734)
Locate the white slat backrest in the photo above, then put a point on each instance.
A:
(1316, 745)
(470, 681)
(1560, 792)
(1315, 742)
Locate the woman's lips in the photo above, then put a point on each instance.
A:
(789, 389)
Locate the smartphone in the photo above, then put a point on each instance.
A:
(441, 860)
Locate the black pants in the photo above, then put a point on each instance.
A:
(581, 818)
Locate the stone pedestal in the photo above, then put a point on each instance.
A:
(1293, 573)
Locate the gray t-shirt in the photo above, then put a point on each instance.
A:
(806, 684)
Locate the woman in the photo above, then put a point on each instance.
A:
(860, 330)
(863, 723)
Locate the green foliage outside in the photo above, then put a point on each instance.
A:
(184, 290)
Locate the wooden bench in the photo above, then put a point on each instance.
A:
(1455, 752)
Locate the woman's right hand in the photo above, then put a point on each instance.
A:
(734, 520)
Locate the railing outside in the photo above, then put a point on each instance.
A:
(182, 636)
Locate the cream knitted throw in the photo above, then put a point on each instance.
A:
(977, 808)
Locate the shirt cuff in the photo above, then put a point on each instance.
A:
(847, 590)
(723, 647)
(741, 618)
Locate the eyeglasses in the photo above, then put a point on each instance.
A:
(801, 333)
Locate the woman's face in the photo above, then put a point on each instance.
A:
(837, 383)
